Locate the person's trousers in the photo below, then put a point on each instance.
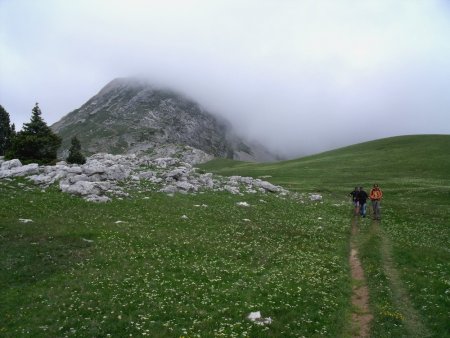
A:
(362, 209)
(376, 209)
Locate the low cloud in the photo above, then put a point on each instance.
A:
(300, 77)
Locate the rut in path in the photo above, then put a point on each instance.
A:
(412, 320)
(361, 316)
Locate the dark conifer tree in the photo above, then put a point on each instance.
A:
(36, 142)
(75, 155)
(7, 131)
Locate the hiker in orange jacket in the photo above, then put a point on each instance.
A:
(375, 196)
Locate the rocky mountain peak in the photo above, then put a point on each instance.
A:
(130, 115)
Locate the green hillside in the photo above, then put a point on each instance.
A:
(196, 265)
(414, 173)
(394, 161)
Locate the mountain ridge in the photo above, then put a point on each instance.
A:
(130, 115)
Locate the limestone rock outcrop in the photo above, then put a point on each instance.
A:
(106, 176)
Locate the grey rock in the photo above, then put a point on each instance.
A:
(206, 180)
(247, 180)
(75, 170)
(84, 188)
(8, 165)
(117, 172)
(232, 189)
(97, 199)
(23, 170)
(39, 179)
(169, 189)
(78, 178)
(315, 197)
(165, 162)
(94, 168)
(185, 186)
(155, 179)
(266, 186)
(147, 175)
(176, 174)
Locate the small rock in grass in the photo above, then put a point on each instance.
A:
(315, 197)
(97, 199)
(184, 217)
(246, 220)
(243, 204)
(256, 318)
(25, 220)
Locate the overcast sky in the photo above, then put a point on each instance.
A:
(301, 76)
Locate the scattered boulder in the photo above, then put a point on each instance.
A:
(18, 170)
(267, 186)
(169, 189)
(8, 165)
(97, 199)
(186, 187)
(315, 197)
(256, 318)
(147, 175)
(84, 188)
(232, 189)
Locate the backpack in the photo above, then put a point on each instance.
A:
(376, 194)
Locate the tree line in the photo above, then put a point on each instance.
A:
(36, 142)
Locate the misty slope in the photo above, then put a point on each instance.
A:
(129, 116)
(402, 159)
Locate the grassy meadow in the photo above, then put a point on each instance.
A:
(414, 174)
(137, 267)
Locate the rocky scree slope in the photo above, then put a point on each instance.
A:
(106, 176)
(131, 116)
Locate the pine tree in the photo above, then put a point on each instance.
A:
(36, 142)
(7, 131)
(75, 155)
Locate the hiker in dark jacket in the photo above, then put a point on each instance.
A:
(354, 195)
(362, 199)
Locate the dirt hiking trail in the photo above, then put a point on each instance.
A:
(361, 315)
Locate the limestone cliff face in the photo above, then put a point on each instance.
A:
(131, 116)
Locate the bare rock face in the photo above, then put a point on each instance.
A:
(132, 116)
